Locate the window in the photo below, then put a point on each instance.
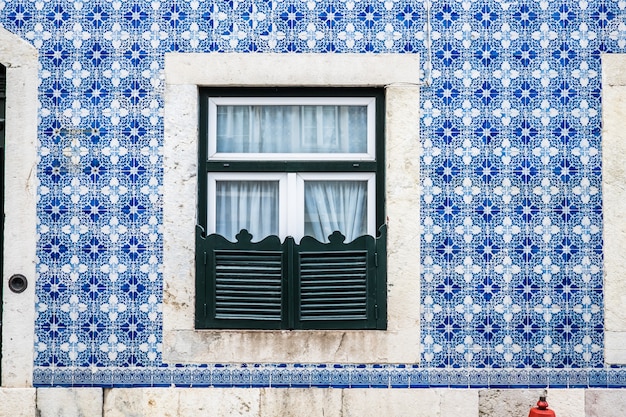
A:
(185, 74)
(291, 221)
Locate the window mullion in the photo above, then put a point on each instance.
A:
(295, 207)
(283, 207)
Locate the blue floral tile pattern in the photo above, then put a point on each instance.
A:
(511, 246)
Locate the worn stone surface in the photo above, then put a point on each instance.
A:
(458, 403)
(391, 403)
(181, 342)
(328, 402)
(69, 402)
(289, 70)
(287, 402)
(20, 234)
(181, 402)
(300, 402)
(614, 194)
(17, 402)
(614, 341)
(493, 403)
(179, 216)
(567, 402)
(234, 402)
(133, 402)
(613, 69)
(605, 403)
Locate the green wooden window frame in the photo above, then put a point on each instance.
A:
(287, 285)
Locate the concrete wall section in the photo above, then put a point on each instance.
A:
(69, 402)
(17, 402)
(605, 403)
(259, 402)
(327, 402)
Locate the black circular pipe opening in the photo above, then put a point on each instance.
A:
(18, 283)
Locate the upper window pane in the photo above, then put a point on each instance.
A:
(292, 128)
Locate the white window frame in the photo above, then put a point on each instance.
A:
(281, 177)
(302, 177)
(291, 188)
(369, 102)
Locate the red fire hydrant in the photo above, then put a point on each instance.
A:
(542, 408)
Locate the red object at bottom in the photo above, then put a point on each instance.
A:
(542, 409)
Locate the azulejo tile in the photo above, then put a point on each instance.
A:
(320, 377)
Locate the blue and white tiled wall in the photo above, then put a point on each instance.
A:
(511, 249)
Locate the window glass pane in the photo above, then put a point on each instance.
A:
(292, 129)
(251, 205)
(335, 205)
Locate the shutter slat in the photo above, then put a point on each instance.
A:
(247, 297)
(244, 279)
(338, 293)
(330, 273)
(328, 278)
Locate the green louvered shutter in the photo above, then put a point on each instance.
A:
(337, 284)
(273, 285)
(242, 283)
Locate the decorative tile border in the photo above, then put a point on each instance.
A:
(329, 376)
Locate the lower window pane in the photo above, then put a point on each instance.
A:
(335, 206)
(251, 205)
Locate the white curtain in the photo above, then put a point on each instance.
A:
(335, 206)
(292, 129)
(251, 205)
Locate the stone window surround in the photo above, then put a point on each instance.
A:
(614, 195)
(399, 73)
(20, 233)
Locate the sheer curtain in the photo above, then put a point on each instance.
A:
(251, 205)
(335, 205)
(292, 129)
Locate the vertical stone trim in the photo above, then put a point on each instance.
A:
(614, 212)
(20, 233)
